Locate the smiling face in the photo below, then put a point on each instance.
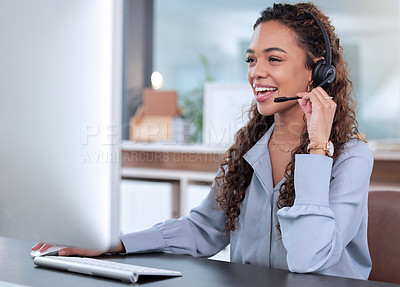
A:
(276, 67)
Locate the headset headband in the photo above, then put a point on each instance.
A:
(326, 38)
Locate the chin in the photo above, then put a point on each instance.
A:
(271, 108)
(265, 111)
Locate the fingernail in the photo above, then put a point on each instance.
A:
(61, 252)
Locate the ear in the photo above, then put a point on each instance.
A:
(318, 59)
(310, 76)
(315, 61)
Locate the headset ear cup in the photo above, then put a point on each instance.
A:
(317, 76)
(329, 73)
(323, 74)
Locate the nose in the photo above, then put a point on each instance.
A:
(259, 71)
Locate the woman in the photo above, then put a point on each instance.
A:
(281, 198)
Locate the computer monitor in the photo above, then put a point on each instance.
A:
(60, 114)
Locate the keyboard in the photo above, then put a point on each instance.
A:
(110, 269)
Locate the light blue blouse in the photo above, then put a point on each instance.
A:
(324, 232)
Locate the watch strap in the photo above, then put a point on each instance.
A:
(325, 146)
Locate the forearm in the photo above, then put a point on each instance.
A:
(308, 226)
(329, 211)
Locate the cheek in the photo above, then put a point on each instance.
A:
(296, 79)
(303, 75)
(289, 74)
(249, 78)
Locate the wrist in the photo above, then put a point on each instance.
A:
(323, 148)
(317, 151)
(120, 248)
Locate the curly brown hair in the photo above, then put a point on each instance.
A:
(236, 173)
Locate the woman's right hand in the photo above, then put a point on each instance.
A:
(70, 251)
(319, 109)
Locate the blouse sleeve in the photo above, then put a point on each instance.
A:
(329, 209)
(199, 234)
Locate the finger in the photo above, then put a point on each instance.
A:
(305, 105)
(37, 246)
(315, 99)
(45, 247)
(328, 103)
(312, 105)
(308, 97)
(304, 98)
(323, 97)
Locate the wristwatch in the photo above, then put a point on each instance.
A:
(325, 146)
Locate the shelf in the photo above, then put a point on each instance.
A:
(162, 174)
(172, 147)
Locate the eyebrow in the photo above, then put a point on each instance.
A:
(268, 50)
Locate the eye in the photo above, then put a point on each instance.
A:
(274, 59)
(249, 60)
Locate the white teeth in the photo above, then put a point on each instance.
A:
(264, 89)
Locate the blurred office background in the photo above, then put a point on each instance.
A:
(221, 30)
(190, 43)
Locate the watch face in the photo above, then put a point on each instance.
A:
(330, 148)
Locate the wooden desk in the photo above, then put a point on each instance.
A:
(17, 267)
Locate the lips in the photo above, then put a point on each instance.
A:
(263, 93)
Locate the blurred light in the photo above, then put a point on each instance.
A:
(157, 80)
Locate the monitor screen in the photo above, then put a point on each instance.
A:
(60, 91)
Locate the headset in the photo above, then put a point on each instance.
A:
(324, 72)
